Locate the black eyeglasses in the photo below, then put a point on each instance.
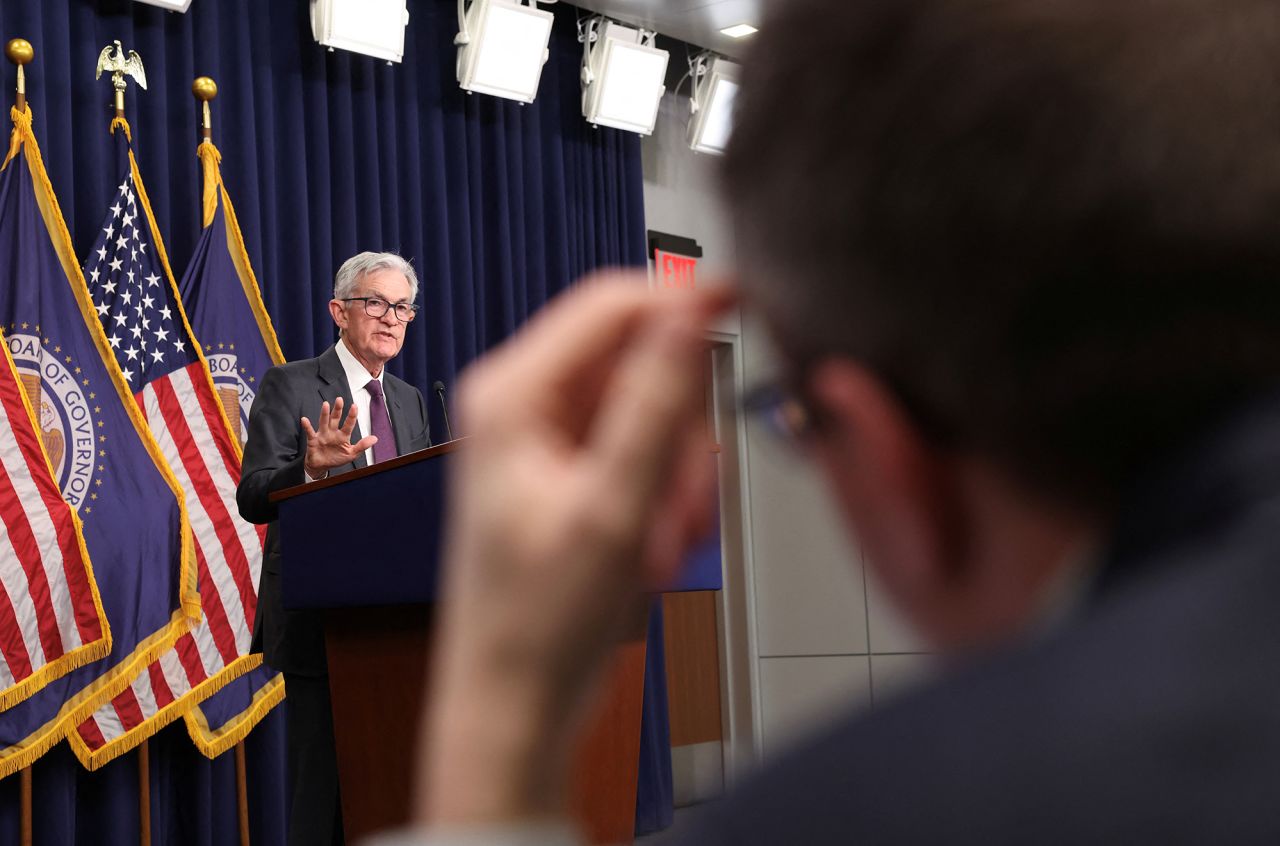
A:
(784, 413)
(377, 307)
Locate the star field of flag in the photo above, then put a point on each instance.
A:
(131, 296)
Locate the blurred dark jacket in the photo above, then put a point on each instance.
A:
(1152, 716)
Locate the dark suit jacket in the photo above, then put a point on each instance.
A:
(1152, 717)
(292, 641)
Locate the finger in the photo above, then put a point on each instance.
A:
(308, 431)
(584, 327)
(363, 444)
(685, 516)
(349, 424)
(336, 418)
(655, 393)
(323, 419)
(556, 366)
(580, 327)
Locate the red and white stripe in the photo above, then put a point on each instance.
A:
(183, 413)
(47, 607)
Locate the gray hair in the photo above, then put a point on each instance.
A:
(344, 284)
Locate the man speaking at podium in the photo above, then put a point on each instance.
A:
(326, 415)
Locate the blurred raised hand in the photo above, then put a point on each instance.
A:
(584, 482)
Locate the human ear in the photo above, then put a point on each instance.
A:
(338, 313)
(892, 485)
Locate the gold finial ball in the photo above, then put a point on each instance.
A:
(204, 88)
(19, 51)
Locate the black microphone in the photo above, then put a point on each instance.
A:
(438, 387)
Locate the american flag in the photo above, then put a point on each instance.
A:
(51, 620)
(136, 300)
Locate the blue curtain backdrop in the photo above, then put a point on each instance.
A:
(655, 792)
(325, 154)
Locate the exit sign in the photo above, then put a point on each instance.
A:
(675, 261)
(674, 270)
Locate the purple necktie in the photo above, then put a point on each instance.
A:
(380, 423)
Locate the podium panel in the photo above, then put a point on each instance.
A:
(377, 593)
(326, 565)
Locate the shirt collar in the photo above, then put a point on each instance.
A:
(357, 376)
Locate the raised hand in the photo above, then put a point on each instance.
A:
(584, 482)
(330, 446)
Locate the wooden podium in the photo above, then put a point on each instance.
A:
(377, 593)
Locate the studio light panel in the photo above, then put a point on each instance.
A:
(506, 50)
(171, 5)
(713, 120)
(372, 27)
(627, 81)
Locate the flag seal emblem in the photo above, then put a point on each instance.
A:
(71, 434)
(234, 392)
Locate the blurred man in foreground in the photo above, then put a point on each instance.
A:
(1022, 262)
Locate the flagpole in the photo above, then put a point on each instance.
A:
(144, 793)
(20, 52)
(119, 65)
(25, 825)
(242, 798)
(205, 89)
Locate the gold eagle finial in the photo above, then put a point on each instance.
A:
(120, 66)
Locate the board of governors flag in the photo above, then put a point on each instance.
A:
(220, 293)
(135, 298)
(221, 297)
(106, 463)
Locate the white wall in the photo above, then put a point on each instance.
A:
(679, 188)
(817, 635)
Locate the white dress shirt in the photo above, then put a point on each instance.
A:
(357, 378)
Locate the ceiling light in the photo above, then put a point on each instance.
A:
(372, 27)
(622, 75)
(739, 30)
(502, 46)
(715, 85)
(171, 5)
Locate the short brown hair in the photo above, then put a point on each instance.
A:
(1051, 226)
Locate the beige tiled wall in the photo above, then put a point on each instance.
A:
(886, 630)
(829, 640)
(825, 637)
(809, 588)
(799, 694)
